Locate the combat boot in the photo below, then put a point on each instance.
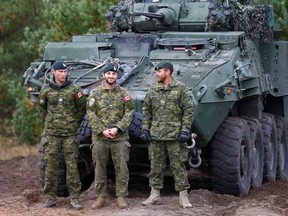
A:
(154, 198)
(100, 202)
(122, 202)
(183, 199)
(49, 203)
(75, 204)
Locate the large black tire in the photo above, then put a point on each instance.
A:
(84, 132)
(135, 129)
(231, 163)
(282, 162)
(139, 161)
(257, 151)
(270, 147)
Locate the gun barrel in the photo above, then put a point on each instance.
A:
(153, 15)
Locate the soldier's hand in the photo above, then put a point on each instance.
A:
(145, 136)
(183, 137)
(113, 132)
(107, 134)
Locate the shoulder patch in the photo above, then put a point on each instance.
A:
(127, 98)
(78, 95)
(91, 102)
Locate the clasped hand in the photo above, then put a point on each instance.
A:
(110, 133)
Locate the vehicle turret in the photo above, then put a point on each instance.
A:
(191, 16)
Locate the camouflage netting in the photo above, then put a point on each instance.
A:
(233, 16)
(118, 17)
(254, 20)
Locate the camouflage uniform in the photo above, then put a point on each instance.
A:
(107, 109)
(63, 109)
(166, 112)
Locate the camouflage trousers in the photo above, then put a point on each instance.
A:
(178, 155)
(51, 151)
(120, 155)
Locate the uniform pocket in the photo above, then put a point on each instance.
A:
(183, 151)
(126, 150)
(127, 144)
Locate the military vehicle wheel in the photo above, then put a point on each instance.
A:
(231, 158)
(135, 129)
(282, 162)
(270, 147)
(257, 151)
(139, 161)
(84, 132)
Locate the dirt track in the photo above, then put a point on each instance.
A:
(20, 194)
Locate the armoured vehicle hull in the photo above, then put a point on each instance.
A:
(236, 77)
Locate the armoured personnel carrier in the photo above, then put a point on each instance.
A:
(223, 50)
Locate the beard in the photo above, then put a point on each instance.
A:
(160, 79)
(110, 81)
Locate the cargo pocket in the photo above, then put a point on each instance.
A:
(92, 148)
(127, 144)
(183, 151)
(44, 147)
(127, 151)
(149, 151)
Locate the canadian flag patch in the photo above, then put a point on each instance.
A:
(78, 95)
(127, 98)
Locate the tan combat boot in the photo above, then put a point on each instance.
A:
(49, 203)
(154, 198)
(75, 204)
(100, 202)
(183, 199)
(122, 202)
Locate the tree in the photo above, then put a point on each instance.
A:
(42, 21)
(14, 16)
(64, 18)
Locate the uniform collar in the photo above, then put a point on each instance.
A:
(54, 85)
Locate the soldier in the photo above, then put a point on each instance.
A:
(62, 105)
(110, 112)
(167, 120)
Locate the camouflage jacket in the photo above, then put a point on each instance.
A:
(62, 107)
(109, 108)
(167, 111)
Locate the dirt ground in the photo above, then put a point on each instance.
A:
(20, 194)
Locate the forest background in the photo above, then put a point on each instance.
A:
(25, 29)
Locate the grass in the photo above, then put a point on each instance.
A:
(10, 148)
(9, 144)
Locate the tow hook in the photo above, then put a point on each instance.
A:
(194, 153)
